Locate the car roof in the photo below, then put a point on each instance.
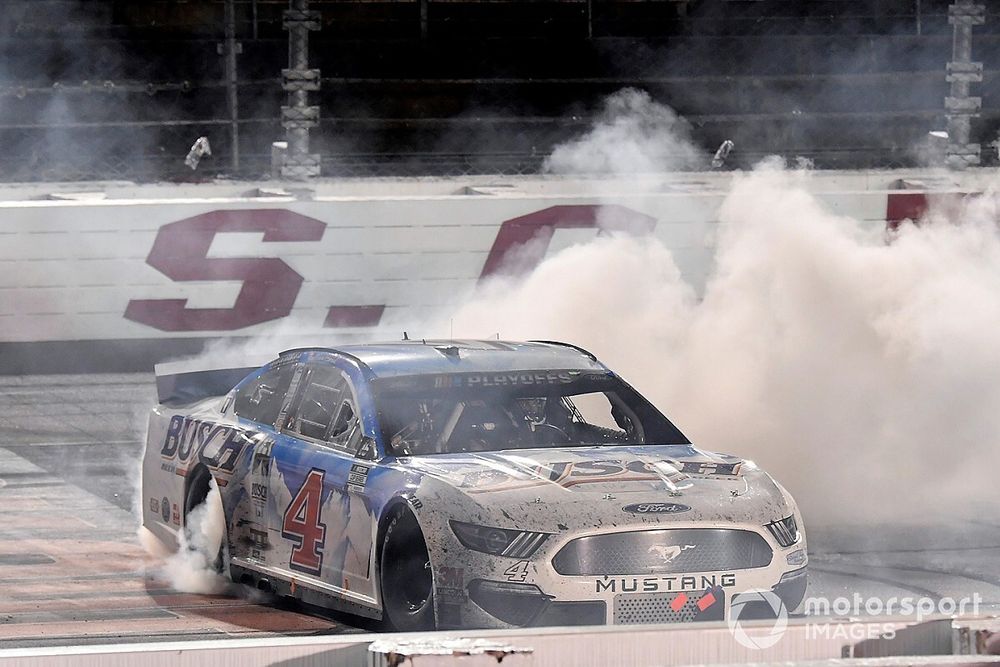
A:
(415, 357)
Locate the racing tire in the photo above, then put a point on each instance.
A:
(197, 494)
(405, 576)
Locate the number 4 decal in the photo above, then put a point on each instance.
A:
(302, 525)
(517, 572)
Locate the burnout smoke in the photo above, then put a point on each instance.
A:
(192, 568)
(633, 134)
(860, 372)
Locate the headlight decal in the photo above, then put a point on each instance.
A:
(498, 541)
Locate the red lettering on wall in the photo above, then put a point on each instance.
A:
(915, 205)
(908, 206)
(270, 286)
(522, 242)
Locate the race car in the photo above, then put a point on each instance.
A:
(454, 484)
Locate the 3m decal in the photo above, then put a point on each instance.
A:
(302, 525)
(517, 572)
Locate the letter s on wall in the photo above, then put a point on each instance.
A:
(270, 286)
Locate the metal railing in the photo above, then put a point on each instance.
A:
(113, 116)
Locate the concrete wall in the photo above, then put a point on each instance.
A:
(127, 274)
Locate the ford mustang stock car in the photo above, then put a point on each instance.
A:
(447, 484)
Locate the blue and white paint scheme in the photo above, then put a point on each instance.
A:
(533, 485)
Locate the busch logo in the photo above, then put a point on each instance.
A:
(217, 446)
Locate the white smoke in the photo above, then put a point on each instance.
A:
(633, 134)
(861, 373)
(192, 568)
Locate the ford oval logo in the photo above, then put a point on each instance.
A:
(656, 508)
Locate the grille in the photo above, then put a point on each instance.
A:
(785, 531)
(641, 608)
(669, 551)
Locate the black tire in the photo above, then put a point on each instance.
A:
(405, 576)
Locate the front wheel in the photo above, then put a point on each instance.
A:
(405, 576)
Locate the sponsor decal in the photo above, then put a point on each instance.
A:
(655, 508)
(518, 379)
(357, 477)
(154, 505)
(217, 446)
(568, 474)
(259, 543)
(261, 465)
(165, 509)
(176, 518)
(453, 577)
(450, 585)
(415, 502)
(682, 583)
(709, 606)
(258, 491)
(450, 615)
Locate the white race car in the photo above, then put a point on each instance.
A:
(446, 484)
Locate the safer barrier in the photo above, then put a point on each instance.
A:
(122, 276)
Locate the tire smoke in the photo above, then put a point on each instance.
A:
(860, 371)
(192, 568)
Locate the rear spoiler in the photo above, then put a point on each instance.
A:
(183, 382)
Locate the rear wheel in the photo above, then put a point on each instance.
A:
(195, 534)
(405, 575)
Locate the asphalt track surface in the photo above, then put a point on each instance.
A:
(72, 571)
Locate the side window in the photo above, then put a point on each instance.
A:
(261, 400)
(326, 411)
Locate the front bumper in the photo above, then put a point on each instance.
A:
(484, 594)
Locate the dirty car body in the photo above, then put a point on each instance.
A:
(466, 484)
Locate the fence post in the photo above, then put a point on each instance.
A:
(232, 48)
(298, 116)
(962, 107)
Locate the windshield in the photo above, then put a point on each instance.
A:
(488, 412)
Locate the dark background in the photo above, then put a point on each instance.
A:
(116, 89)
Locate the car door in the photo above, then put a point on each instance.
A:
(256, 407)
(323, 511)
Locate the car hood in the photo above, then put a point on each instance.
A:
(597, 486)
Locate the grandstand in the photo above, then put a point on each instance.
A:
(120, 89)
